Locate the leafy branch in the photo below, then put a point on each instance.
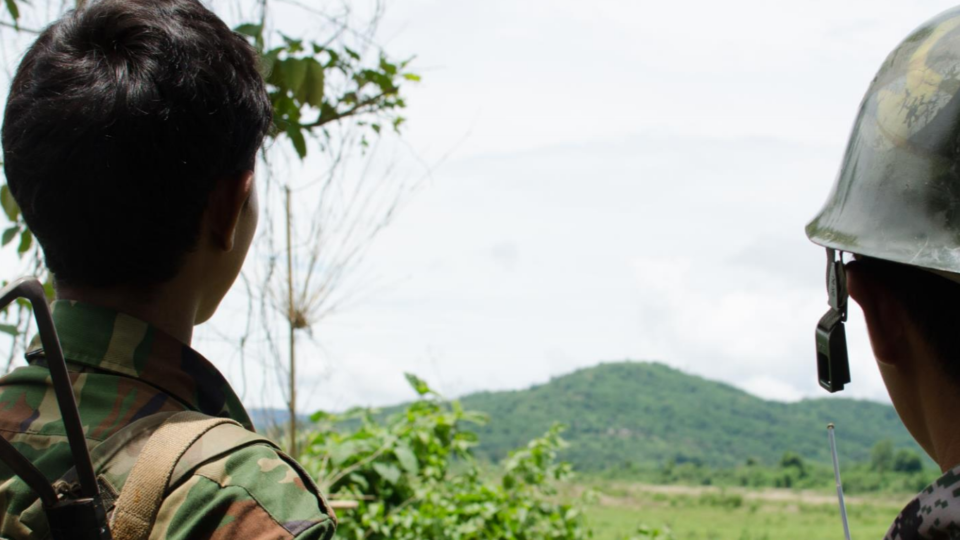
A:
(412, 476)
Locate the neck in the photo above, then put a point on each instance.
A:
(166, 308)
(931, 401)
(940, 406)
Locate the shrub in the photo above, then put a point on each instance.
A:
(415, 479)
(907, 461)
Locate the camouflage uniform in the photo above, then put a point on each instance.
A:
(934, 514)
(124, 370)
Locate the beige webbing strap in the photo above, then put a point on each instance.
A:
(142, 494)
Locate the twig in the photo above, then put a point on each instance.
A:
(18, 28)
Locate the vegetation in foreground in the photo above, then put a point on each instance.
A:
(412, 475)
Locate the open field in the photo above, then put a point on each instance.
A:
(707, 513)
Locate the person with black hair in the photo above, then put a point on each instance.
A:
(129, 141)
(896, 209)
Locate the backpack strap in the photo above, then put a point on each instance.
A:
(143, 492)
(115, 458)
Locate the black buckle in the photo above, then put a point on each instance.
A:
(833, 363)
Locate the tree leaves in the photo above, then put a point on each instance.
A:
(298, 140)
(414, 478)
(419, 385)
(12, 211)
(26, 242)
(331, 84)
(314, 92)
(390, 473)
(9, 204)
(294, 72)
(407, 459)
(9, 235)
(250, 30)
(14, 12)
(253, 31)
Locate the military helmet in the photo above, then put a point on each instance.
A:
(897, 196)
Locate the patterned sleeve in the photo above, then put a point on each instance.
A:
(254, 493)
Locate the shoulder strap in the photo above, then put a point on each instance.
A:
(115, 458)
(143, 492)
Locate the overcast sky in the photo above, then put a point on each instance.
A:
(629, 180)
(613, 180)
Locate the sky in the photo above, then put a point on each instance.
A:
(613, 180)
(607, 180)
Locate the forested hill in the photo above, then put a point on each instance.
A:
(646, 414)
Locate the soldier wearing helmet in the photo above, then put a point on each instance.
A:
(896, 210)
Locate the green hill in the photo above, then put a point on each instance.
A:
(645, 414)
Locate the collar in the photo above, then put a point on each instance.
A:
(110, 341)
(934, 513)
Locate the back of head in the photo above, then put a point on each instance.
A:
(121, 118)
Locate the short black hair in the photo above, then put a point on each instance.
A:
(121, 118)
(930, 300)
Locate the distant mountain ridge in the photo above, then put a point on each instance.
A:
(269, 419)
(645, 414)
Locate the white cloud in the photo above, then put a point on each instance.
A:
(772, 388)
(630, 180)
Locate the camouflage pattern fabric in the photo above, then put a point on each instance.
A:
(123, 370)
(933, 515)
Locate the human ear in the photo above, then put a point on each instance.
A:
(227, 203)
(886, 319)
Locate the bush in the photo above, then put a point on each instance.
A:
(907, 461)
(881, 456)
(794, 465)
(414, 477)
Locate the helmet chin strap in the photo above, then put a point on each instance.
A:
(833, 364)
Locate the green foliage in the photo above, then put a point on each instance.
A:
(791, 473)
(12, 211)
(314, 84)
(13, 10)
(881, 456)
(10, 207)
(792, 461)
(907, 461)
(415, 478)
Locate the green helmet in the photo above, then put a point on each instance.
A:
(897, 196)
(898, 193)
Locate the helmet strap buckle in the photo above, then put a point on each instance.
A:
(833, 364)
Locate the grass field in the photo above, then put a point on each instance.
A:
(693, 513)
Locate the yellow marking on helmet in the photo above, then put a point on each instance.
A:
(921, 86)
